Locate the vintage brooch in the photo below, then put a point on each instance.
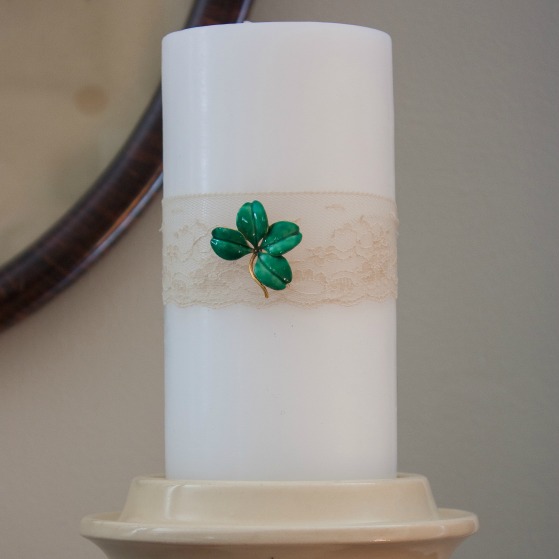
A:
(267, 244)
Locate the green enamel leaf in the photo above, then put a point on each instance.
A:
(281, 238)
(229, 244)
(273, 271)
(252, 221)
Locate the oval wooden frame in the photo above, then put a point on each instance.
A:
(108, 208)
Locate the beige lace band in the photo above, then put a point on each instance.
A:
(347, 255)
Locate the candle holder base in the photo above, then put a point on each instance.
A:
(381, 519)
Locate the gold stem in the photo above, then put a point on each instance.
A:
(251, 270)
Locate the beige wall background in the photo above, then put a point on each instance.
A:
(477, 140)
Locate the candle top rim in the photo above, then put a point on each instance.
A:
(243, 27)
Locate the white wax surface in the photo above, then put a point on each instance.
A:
(279, 393)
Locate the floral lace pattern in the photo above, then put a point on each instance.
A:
(348, 252)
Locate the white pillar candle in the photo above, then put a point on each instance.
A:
(279, 392)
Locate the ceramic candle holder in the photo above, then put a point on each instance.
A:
(381, 519)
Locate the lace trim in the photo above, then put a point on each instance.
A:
(348, 252)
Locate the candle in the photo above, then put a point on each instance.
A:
(300, 386)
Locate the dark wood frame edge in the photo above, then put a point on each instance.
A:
(108, 208)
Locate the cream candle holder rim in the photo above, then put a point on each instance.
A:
(201, 513)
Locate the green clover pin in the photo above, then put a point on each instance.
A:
(267, 244)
